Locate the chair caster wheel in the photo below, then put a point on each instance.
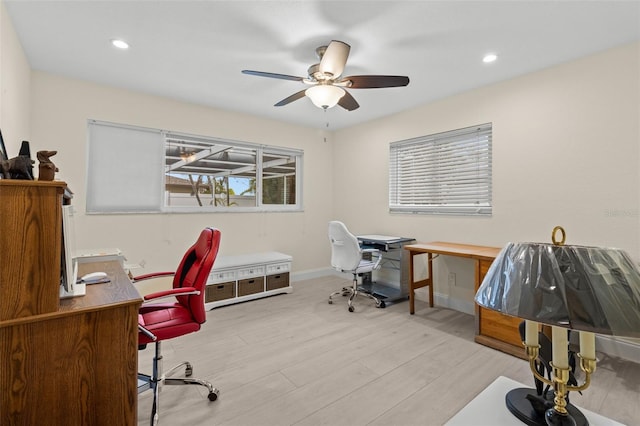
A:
(351, 309)
(330, 302)
(212, 396)
(382, 305)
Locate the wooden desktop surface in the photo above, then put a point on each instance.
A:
(77, 365)
(117, 291)
(455, 249)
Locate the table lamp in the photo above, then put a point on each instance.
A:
(592, 290)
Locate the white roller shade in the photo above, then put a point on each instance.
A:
(125, 169)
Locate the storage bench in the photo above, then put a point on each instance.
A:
(240, 278)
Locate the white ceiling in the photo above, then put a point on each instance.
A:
(194, 51)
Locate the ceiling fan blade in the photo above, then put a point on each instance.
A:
(348, 102)
(334, 58)
(376, 81)
(272, 75)
(291, 98)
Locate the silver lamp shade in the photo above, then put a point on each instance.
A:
(590, 289)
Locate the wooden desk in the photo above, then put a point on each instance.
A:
(492, 328)
(78, 364)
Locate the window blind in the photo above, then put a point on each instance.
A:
(125, 168)
(444, 173)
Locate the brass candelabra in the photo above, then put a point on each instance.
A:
(559, 415)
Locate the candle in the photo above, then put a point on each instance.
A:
(531, 333)
(560, 347)
(587, 345)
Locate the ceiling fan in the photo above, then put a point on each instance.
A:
(327, 87)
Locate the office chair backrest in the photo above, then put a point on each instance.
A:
(345, 250)
(194, 269)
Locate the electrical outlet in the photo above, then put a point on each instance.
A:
(452, 279)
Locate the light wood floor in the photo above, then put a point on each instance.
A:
(294, 359)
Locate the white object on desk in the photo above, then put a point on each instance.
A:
(489, 408)
(100, 255)
(93, 277)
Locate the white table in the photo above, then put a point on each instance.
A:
(488, 408)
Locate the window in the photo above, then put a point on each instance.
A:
(201, 172)
(169, 171)
(444, 173)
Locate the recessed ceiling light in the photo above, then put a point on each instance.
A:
(491, 57)
(120, 44)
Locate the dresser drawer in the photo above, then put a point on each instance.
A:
(500, 327)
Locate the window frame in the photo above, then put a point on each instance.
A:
(169, 137)
(443, 154)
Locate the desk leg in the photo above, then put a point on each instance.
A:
(430, 279)
(413, 284)
(412, 296)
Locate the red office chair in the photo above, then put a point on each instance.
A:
(163, 321)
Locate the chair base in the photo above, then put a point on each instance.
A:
(158, 378)
(352, 292)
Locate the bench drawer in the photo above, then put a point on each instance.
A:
(220, 291)
(221, 277)
(277, 281)
(250, 286)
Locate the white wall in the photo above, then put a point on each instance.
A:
(15, 77)
(565, 152)
(59, 114)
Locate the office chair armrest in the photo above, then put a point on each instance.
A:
(182, 291)
(147, 333)
(153, 275)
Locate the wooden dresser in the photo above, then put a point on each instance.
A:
(62, 362)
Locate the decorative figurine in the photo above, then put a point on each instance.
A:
(47, 170)
(20, 167)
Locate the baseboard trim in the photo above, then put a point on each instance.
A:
(312, 273)
(618, 348)
(444, 300)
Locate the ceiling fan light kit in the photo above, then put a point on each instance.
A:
(327, 88)
(324, 96)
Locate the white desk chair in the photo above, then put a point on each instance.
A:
(347, 256)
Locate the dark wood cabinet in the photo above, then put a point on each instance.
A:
(71, 361)
(30, 247)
